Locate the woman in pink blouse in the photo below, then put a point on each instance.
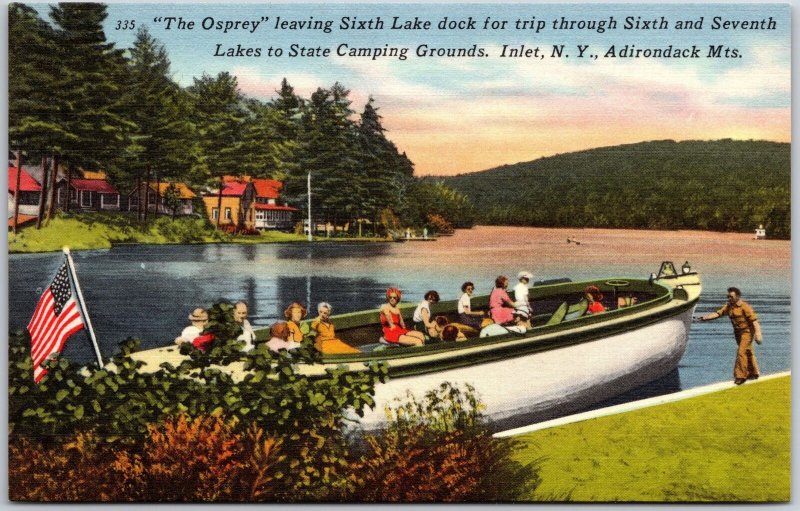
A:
(501, 307)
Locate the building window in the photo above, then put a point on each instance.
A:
(86, 199)
(214, 213)
(227, 213)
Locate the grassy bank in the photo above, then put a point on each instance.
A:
(729, 446)
(102, 230)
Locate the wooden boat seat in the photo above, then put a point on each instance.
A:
(558, 315)
(576, 310)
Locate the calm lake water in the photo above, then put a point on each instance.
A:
(148, 291)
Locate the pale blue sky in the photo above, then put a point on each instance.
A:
(466, 114)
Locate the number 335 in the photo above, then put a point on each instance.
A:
(125, 25)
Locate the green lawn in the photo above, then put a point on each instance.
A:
(732, 445)
(83, 231)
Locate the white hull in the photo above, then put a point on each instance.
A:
(558, 381)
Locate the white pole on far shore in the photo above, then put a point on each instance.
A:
(309, 206)
(82, 305)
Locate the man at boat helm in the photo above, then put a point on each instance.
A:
(746, 329)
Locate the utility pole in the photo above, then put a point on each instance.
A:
(309, 206)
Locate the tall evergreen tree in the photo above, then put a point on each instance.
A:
(90, 85)
(162, 145)
(329, 152)
(219, 113)
(32, 110)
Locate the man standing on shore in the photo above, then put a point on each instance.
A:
(746, 329)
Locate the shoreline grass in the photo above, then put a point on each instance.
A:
(731, 446)
(93, 231)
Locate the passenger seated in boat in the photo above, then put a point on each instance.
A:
(280, 338)
(394, 328)
(626, 301)
(594, 297)
(521, 291)
(193, 333)
(326, 341)
(248, 335)
(451, 333)
(466, 315)
(522, 323)
(501, 307)
(294, 314)
(440, 323)
(423, 320)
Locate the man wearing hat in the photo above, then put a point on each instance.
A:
(199, 319)
(522, 322)
(521, 290)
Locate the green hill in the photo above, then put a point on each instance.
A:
(722, 185)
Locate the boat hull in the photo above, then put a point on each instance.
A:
(545, 384)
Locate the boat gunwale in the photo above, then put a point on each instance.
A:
(542, 333)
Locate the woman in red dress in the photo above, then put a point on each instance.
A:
(594, 297)
(394, 328)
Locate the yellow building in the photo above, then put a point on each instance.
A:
(237, 208)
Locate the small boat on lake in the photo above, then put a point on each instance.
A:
(567, 361)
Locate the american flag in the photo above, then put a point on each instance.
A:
(55, 319)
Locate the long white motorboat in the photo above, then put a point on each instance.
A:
(567, 361)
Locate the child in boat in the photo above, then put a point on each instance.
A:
(280, 338)
(594, 297)
(501, 307)
(326, 341)
(294, 314)
(394, 328)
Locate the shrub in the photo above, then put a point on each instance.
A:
(307, 413)
(181, 230)
(438, 450)
(438, 224)
(203, 459)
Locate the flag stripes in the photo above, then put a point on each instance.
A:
(56, 318)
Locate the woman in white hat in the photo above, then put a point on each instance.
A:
(199, 319)
(521, 290)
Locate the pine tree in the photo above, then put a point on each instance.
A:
(162, 145)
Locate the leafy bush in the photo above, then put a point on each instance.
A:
(181, 230)
(438, 224)
(433, 450)
(307, 412)
(438, 450)
(201, 459)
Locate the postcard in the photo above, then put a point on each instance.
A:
(439, 252)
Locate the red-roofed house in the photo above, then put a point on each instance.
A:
(88, 194)
(269, 214)
(29, 192)
(237, 205)
(157, 193)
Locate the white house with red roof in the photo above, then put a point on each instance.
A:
(95, 194)
(29, 192)
(270, 214)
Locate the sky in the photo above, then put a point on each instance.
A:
(456, 115)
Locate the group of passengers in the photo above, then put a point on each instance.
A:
(504, 316)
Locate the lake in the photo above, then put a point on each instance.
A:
(148, 291)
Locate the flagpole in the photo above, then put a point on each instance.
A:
(82, 305)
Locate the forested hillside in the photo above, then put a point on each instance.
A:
(722, 185)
